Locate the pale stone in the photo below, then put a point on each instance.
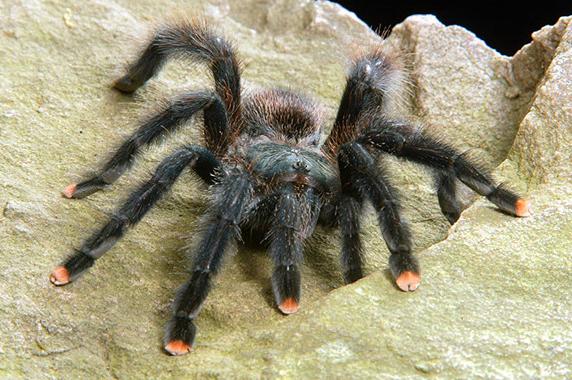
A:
(494, 300)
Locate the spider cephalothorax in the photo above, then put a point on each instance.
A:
(271, 175)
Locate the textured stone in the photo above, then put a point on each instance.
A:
(494, 301)
(543, 145)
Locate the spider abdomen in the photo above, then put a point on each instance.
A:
(283, 114)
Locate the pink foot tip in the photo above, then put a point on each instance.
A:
(60, 276)
(522, 208)
(69, 191)
(289, 306)
(408, 281)
(177, 347)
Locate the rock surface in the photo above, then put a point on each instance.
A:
(495, 299)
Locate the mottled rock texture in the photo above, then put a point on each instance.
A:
(495, 301)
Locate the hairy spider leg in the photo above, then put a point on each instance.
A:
(292, 219)
(233, 196)
(361, 179)
(193, 40)
(169, 119)
(449, 201)
(202, 161)
(371, 79)
(404, 140)
(349, 212)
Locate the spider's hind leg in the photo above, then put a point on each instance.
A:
(447, 193)
(142, 200)
(404, 140)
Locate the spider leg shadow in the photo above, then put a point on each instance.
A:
(175, 264)
(323, 264)
(254, 263)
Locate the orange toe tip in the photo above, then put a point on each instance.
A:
(408, 281)
(69, 191)
(177, 347)
(289, 306)
(60, 276)
(522, 207)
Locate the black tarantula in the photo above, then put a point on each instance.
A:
(271, 176)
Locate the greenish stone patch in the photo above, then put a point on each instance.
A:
(494, 301)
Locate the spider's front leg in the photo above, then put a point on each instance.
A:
(293, 218)
(234, 193)
(361, 179)
(142, 200)
(180, 110)
(193, 40)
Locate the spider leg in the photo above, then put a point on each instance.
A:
(292, 219)
(344, 211)
(449, 202)
(362, 179)
(142, 200)
(234, 193)
(193, 40)
(169, 119)
(403, 140)
(349, 215)
(371, 80)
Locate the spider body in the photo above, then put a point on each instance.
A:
(272, 176)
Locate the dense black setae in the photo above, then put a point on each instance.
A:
(271, 177)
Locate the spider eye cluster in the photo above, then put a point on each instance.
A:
(272, 159)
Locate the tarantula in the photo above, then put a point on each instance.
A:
(272, 176)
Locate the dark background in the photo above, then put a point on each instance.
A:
(503, 25)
